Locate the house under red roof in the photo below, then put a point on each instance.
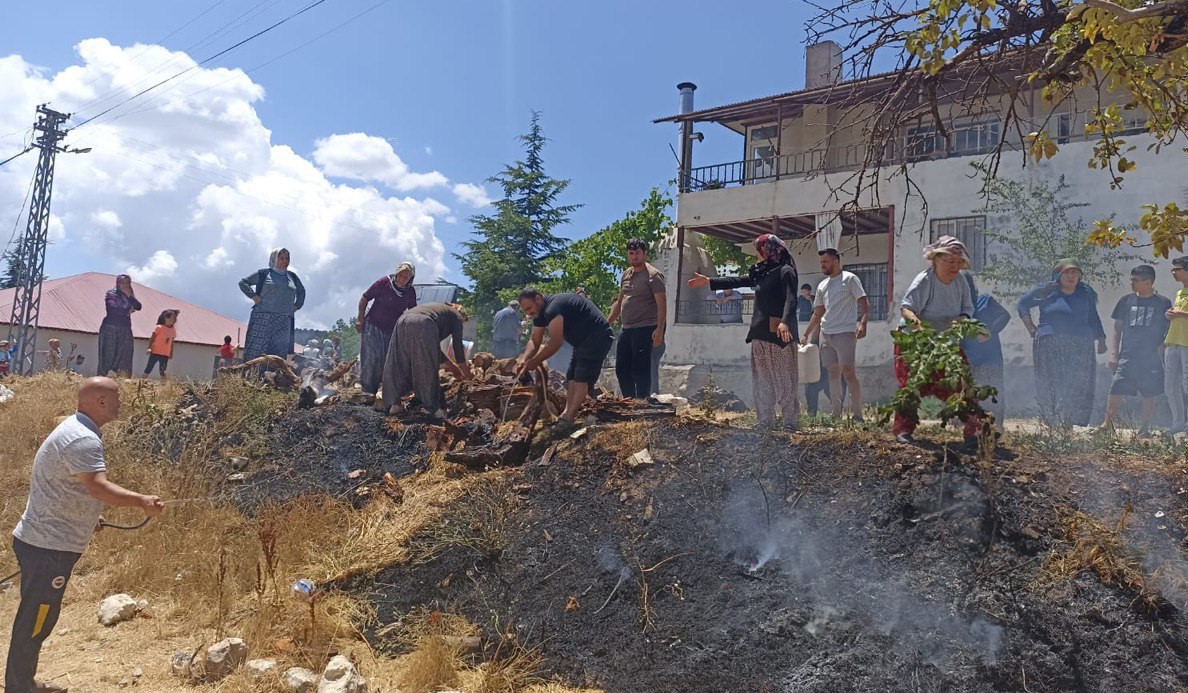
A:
(75, 304)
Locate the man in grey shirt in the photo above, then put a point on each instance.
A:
(505, 339)
(67, 492)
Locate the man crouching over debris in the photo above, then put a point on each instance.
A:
(415, 356)
(67, 493)
(574, 319)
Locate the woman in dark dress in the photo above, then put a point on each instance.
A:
(115, 333)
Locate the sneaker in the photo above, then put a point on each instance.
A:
(905, 438)
(858, 420)
(49, 687)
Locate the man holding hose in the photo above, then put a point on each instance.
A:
(67, 493)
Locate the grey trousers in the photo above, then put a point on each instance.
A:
(414, 358)
(1175, 384)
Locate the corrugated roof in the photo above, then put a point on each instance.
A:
(76, 304)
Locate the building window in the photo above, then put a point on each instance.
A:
(969, 137)
(767, 132)
(874, 281)
(968, 230)
(1065, 122)
(1133, 123)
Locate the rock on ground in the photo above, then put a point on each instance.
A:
(116, 609)
(223, 657)
(299, 680)
(260, 667)
(341, 676)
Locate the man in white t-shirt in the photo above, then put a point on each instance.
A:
(840, 311)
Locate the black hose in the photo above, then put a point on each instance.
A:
(102, 523)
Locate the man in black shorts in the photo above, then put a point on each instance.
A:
(1136, 354)
(576, 320)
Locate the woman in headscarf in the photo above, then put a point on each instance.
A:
(115, 333)
(937, 297)
(277, 294)
(389, 297)
(772, 335)
(1062, 346)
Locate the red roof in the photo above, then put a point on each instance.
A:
(75, 304)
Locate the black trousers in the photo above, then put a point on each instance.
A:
(44, 574)
(633, 361)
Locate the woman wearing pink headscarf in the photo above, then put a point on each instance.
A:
(937, 297)
(772, 335)
(115, 333)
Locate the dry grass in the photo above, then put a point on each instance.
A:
(209, 571)
(1097, 547)
(621, 440)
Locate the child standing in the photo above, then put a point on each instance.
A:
(161, 343)
(227, 352)
(7, 354)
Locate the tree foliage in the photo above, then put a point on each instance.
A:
(13, 267)
(509, 247)
(349, 337)
(1031, 228)
(990, 55)
(726, 256)
(599, 260)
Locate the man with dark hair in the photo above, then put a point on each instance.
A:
(68, 490)
(643, 308)
(804, 303)
(576, 320)
(1140, 326)
(1175, 346)
(840, 313)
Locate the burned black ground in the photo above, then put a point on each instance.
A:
(889, 568)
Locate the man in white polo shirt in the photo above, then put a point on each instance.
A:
(68, 490)
(840, 311)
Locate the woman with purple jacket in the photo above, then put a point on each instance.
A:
(115, 333)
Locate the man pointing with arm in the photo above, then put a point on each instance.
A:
(67, 493)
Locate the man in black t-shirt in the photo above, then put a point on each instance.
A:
(1136, 357)
(576, 320)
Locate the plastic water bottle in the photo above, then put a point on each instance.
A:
(304, 589)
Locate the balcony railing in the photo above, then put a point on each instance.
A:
(767, 169)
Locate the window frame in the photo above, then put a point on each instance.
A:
(979, 256)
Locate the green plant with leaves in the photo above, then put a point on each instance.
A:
(510, 247)
(1031, 227)
(348, 336)
(726, 256)
(599, 260)
(935, 359)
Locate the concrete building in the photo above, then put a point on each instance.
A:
(799, 151)
(72, 309)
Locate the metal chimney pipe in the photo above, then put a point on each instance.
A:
(686, 145)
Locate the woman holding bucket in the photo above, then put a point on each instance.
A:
(772, 335)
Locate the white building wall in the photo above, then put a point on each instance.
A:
(950, 189)
(189, 362)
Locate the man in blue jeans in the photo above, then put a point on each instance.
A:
(67, 492)
(643, 308)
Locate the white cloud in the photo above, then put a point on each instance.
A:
(471, 194)
(357, 156)
(105, 218)
(189, 192)
(218, 259)
(160, 266)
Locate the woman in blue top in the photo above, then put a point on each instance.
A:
(1062, 347)
(277, 294)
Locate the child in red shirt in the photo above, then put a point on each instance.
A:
(161, 343)
(227, 352)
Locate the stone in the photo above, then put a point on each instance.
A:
(137, 673)
(179, 664)
(222, 658)
(260, 667)
(341, 676)
(116, 609)
(299, 680)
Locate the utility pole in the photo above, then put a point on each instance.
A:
(26, 302)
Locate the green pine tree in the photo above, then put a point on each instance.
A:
(509, 248)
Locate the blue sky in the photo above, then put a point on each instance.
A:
(450, 83)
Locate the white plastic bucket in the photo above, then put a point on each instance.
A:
(808, 363)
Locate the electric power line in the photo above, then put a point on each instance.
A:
(221, 53)
(249, 71)
(24, 151)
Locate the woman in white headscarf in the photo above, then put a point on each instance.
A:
(277, 293)
(389, 296)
